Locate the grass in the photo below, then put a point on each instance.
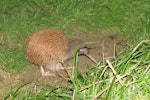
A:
(132, 19)
(101, 82)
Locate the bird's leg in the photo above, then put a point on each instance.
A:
(44, 74)
(68, 68)
(61, 66)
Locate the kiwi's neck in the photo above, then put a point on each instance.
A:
(70, 52)
(73, 45)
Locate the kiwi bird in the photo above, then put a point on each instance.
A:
(48, 48)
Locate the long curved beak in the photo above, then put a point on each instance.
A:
(89, 56)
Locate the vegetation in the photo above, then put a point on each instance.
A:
(19, 18)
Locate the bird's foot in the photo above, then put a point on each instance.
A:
(45, 74)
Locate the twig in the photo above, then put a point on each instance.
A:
(117, 76)
(88, 86)
(73, 97)
(103, 71)
(114, 55)
(103, 54)
(100, 93)
(148, 67)
(139, 45)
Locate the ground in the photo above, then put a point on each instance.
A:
(102, 46)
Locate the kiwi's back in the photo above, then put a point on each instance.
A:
(46, 47)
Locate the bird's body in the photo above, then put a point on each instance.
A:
(47, 48)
